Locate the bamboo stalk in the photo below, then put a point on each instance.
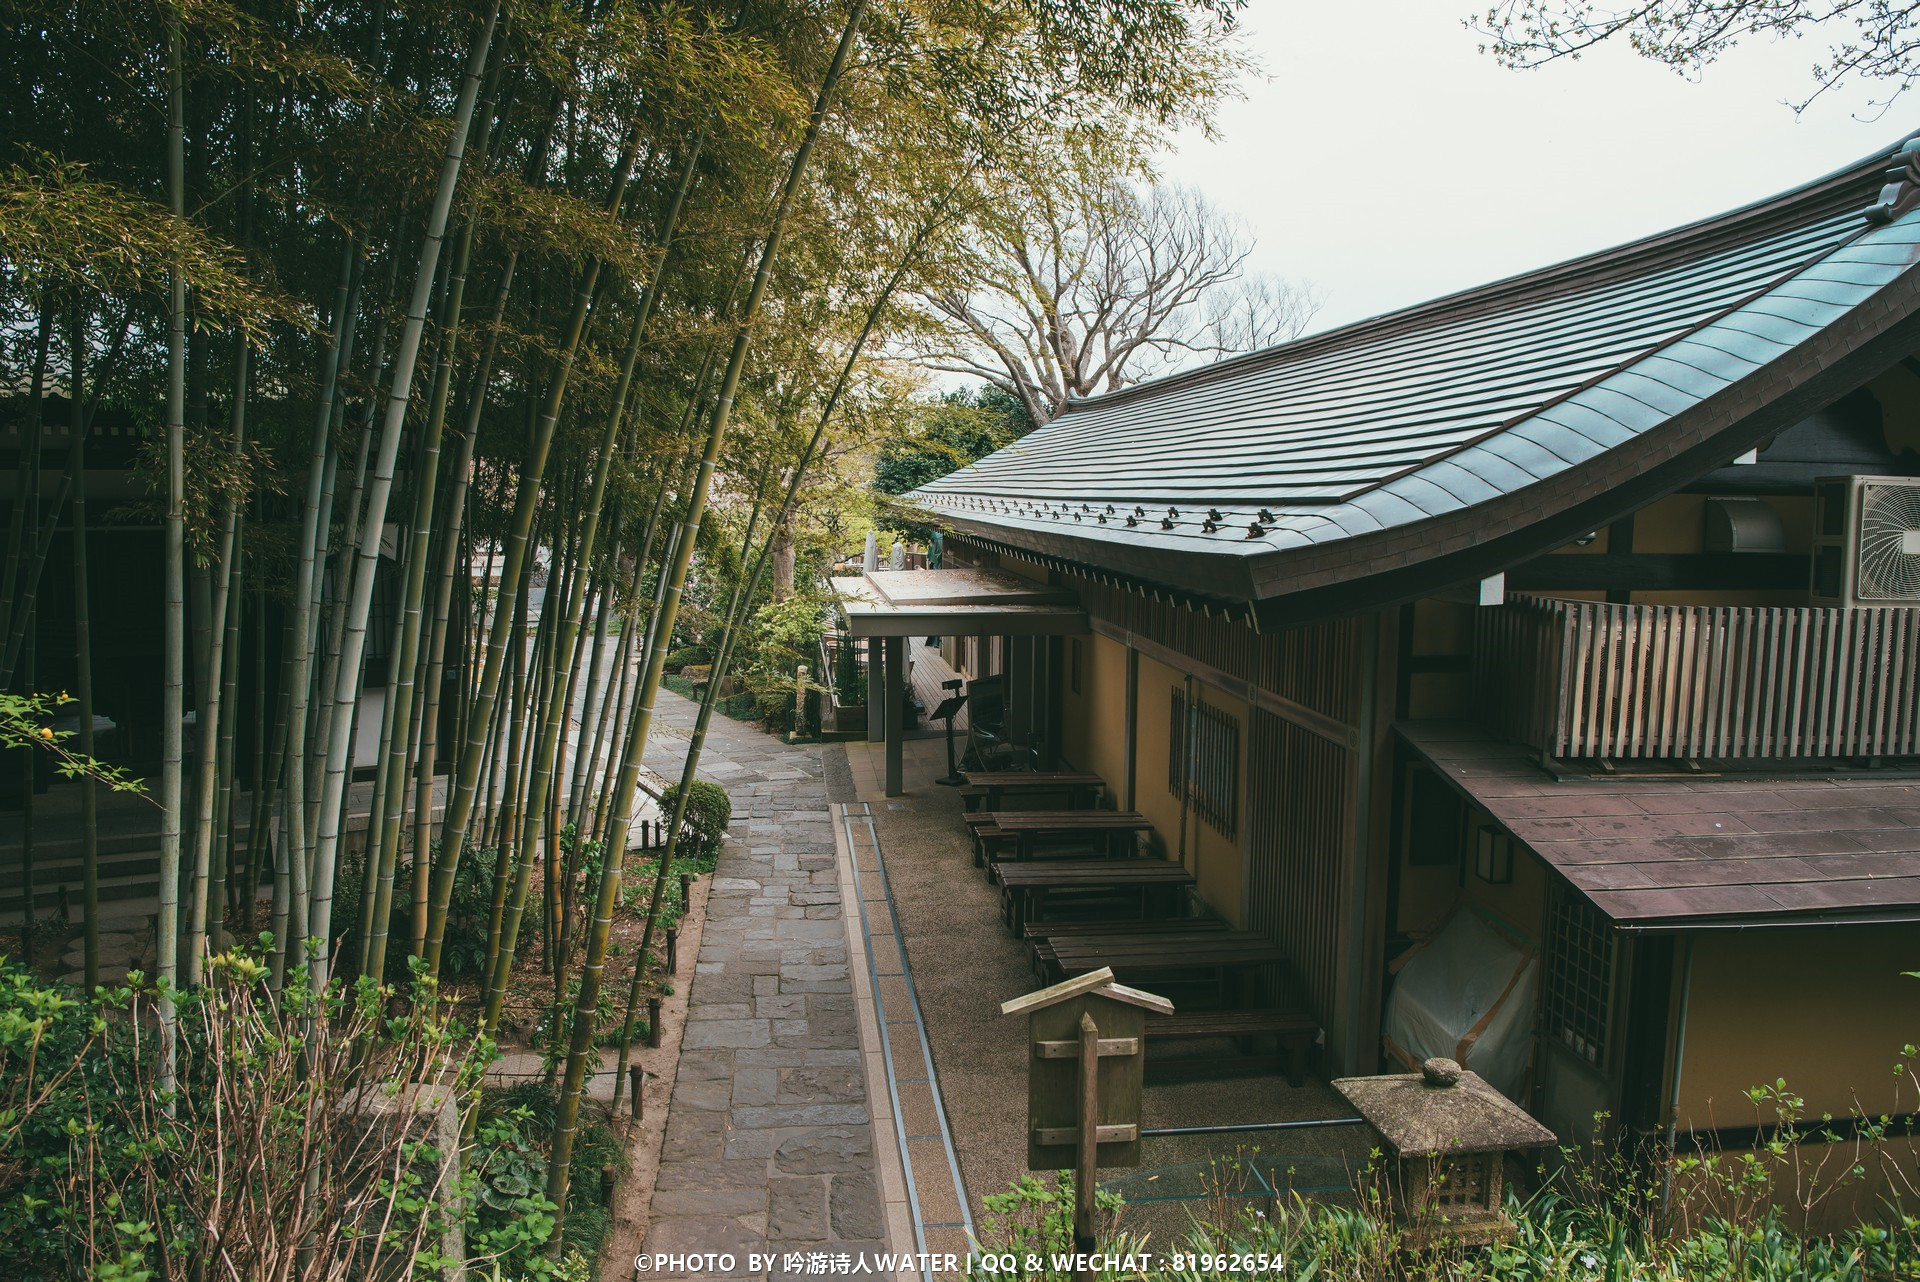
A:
(207, 730)
(346, 693)
(384, 854)
(735, 616)
(173, 619)
(460, 803)
(83, 677)
(580, 1041)
(450, 547)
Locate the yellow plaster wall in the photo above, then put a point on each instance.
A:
(1440, 696)
(1427, 894)
(1151, 795)
(1676, 523)
(1441, 628)
(1520, 903)
(1216, 860)
(1827, 1008)
(1094, 723)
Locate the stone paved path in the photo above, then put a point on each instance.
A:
(769, 1145)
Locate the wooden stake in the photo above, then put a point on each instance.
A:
(639, 1076)
(653, 1021)
(1086, 1168)
(673, 951)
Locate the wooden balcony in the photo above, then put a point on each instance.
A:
(1582, 679)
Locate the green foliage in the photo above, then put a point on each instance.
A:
(511, 1207)
(26, 722)
(679, 659)
(781, 637)
(953, 431)
(1035, 1217)
(709, 811)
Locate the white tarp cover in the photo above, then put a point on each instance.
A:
(1468, 995)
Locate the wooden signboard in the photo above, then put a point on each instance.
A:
(1056, 1068)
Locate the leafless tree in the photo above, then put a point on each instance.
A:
(1073, 288)
(1876, 40)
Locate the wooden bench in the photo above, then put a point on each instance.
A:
(1106, 832)
(1154, 884)
(1294, 1030)
(1039, 935)
(987, 789)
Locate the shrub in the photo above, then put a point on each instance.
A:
(687, 654)
(295, 1128)
(709, 811)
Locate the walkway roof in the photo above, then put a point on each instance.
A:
(1446, 441)
(956, 602)
(1702, 851)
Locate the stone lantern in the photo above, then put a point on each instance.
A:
(1447, 1134)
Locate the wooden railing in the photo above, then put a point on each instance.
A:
(1585, 679)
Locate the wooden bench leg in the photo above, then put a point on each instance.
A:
(1296, 1048)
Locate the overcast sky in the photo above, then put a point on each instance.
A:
(1387, 160)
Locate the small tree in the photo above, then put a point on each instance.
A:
(947, 434)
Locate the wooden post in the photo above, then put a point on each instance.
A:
(1086, 1170)
(673, 951)
(895, 657)
(639, 1078)
(686, 893)
(653, 1021)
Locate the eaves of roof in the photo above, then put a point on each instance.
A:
(1733, 329)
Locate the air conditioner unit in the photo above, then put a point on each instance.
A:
(1866, 541)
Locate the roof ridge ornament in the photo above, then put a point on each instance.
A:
(1901, 195)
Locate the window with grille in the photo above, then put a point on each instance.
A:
(1203, 761)
(1576, 995)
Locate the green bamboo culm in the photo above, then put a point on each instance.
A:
(580, 1041)
(346, 693)
(465, 786)
(173, 617)
(504, 940)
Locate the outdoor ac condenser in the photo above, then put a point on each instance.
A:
(1866, 541)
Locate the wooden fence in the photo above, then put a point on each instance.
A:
(1586, 679)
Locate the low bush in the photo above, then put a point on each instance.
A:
(687, 654)
(709, 811)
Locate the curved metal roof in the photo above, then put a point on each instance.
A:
(1430, 413)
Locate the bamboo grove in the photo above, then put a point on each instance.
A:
(460, 338)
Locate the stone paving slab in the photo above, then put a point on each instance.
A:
(769, 1142)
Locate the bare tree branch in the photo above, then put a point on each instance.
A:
(1080, 287)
